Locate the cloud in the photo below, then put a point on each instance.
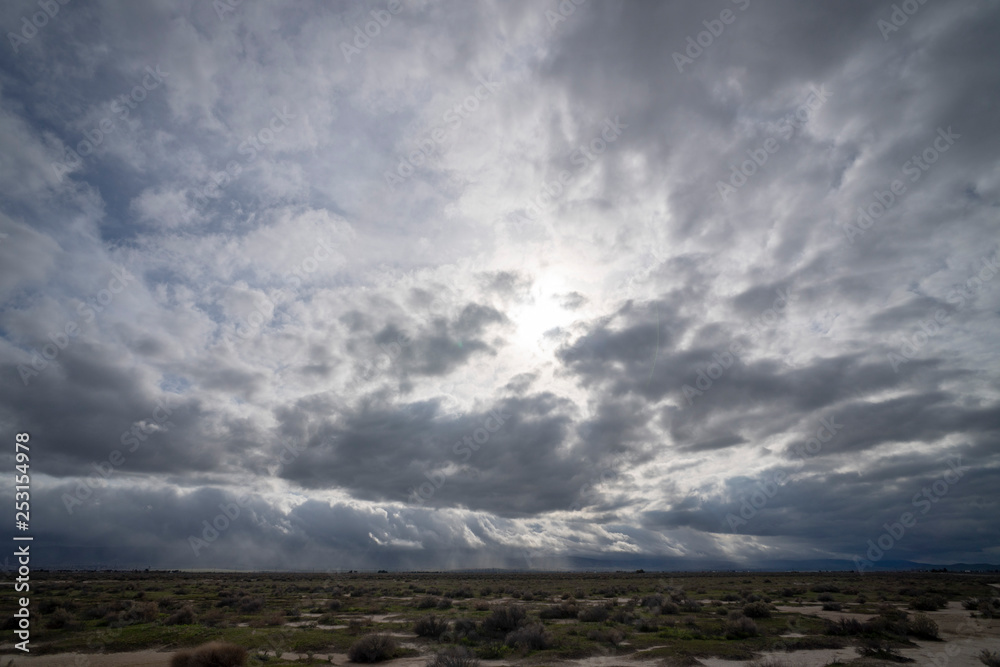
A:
(555, 342)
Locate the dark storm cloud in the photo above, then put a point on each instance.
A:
(514, 457)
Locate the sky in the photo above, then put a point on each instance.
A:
(536, 285)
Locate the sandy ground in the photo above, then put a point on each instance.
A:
(133, 659)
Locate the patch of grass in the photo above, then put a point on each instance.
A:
(741, 628)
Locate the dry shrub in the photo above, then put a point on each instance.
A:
(757, 610)
(454, 656)
(593, 614)
(741, 628)
(880, 650)
(60, 619)
(430, 626)
(989, 658)
(845, 627)
(464, 627)
(669, 608)
(929, 603)
(505, 618)
(923, 627)
(271, 620)
(248, 605)
(214, 618)
(566, 609)
(214, 654)
(655, 600)
(531, 637)
(183, 616)
(609, 635)
(691, 605)
(372, 648)
(766, 661)
(145, 612)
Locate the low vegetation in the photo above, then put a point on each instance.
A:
(456, 620)
(990, 658)
(215, 654)
(373, 648)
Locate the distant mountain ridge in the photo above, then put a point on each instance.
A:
(695, 565)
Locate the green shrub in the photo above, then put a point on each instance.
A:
(929, 603)
(757, 610)
(669, 608)
(741, 628)
(825, 588)
(646, 625)
(493, 651)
